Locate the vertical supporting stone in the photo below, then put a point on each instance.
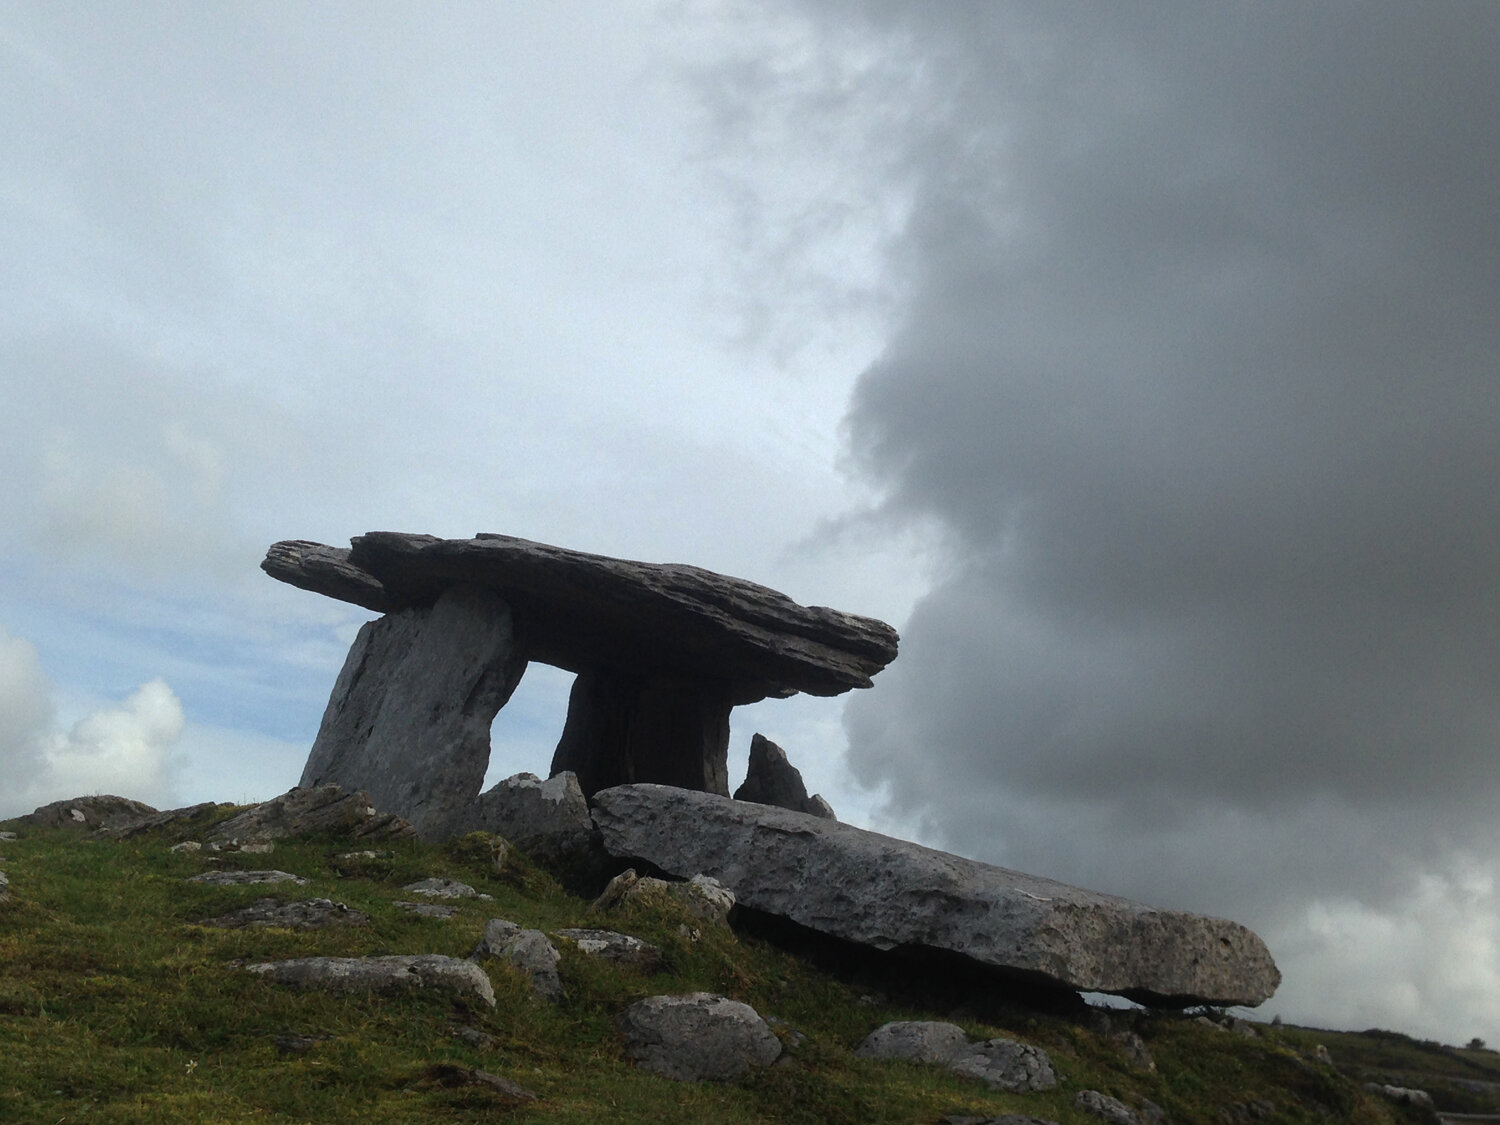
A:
(624, 728)
(409, 718)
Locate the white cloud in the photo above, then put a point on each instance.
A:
(123, 750)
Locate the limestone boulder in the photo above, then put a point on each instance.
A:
(304, 914)
(313, 810)
(526, 951)
(887, 893)
(698, 1037)
(1005, 1064)
(548, 820)
(772, 780)
(97, 812)
(409, 717)
(930, 1041)
(462, 979)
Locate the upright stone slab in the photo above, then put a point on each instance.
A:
(409, 718)
(773, 780)
(887, 893)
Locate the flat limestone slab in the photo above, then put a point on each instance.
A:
(888, 893)
(580, 611)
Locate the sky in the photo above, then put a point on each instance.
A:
(1139, 363)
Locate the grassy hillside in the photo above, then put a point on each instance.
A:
(117, 1005)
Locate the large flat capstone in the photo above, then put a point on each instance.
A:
(888, 893)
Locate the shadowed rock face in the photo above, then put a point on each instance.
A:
(887, 893)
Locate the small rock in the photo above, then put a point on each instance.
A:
(306, 914)
(789, 1035)
(381, 974)
(697, 1037)
(1320, 1053)
(240, 878)
(1402, 1095)
(773, 780)
(614, 893)
(441, 888)
(473, 1037)
(1004, 1064)
(453, 1074)
(1112, 1110)
(246, 847)
(528, 951)
(622, 949)
(930, 1041)
(4, 887)
(1242, 1027)
(7, 835)
(298, 1044)
(427, 909)
(186, 846)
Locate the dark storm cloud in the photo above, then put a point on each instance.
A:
(1200, 369)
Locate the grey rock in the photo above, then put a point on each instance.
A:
(1401, 1095)
(100, 811)
(1004, 1064)
(242, 878)
(704, 898)
(772, 780)
(186, 846)
(124, 828)
(7, 836)
(583, 611)
(527, 951)
(305, 914)
(441, 888)
(409, 717)
(548, 820)
(463, 979)
(697, 1037)
(1001, 1119)
(455, 1074)
(313, 810)
(930, 1041)
(4, 886)
(1112, 1110)
(621, 949)
(427, 909)
(885, 893)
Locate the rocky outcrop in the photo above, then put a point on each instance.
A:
(526, 951)
(316, 810)
(97, 812)
(773, 780)
(245, 878)
(463, 979)
(661, 651)
(1003, 1064)
(617, 948)
(889, 894)
(698, 1037)
(305, 914)
(409, 718)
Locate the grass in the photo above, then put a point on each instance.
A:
(117, 1005)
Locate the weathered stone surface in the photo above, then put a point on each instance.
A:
(548, 820)
(930, 1041)
(4, 887)
(101, 811)
(581, 611)
(442, 888)
(409, 718)
(527, 951)
(1004, 1064)
(887, 893)
(382, 974)
(622, 949)
(626, 726)
(124, 829)
(705, 898)
(427, 909)
(244, 878)
(316, 809)
(697, 1037)
(773, 780)
(1112, 1110)
(305, 914)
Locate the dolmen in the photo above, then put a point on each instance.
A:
(661, 652)
(877, 891)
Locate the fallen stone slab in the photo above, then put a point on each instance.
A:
(305, 914)
(618, 948)
(4, 887)
(889, 894)
(698, 1037)
(313, 810)
(243, 878)
(463, 979)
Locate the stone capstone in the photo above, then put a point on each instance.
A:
(409, 718)
(662, 652)
(463, 979)
(313, 810)
(772, 780)
(697, 1037)
(306, 914)
(886, 893)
